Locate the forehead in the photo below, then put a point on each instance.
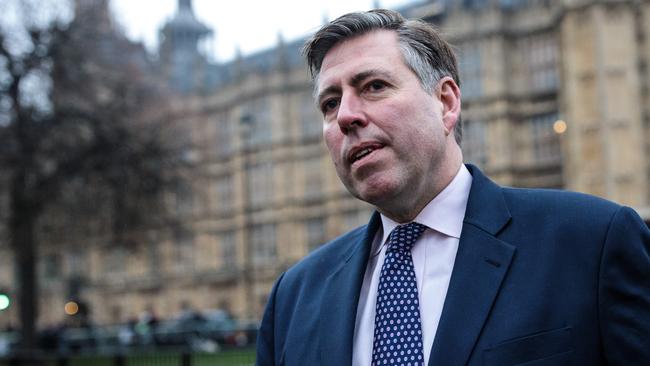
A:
(373, 50)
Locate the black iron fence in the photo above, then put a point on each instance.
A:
(232, 357)
(180, 342)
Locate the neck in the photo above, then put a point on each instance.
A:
(405, 210)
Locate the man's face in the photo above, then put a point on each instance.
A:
(385, 134)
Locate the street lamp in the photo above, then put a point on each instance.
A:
(247, 123)
(5, 301)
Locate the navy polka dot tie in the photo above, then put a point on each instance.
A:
(398, 332)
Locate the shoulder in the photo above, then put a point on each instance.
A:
(491, 206)
(562, 211)
(558, 201)
(575, 218)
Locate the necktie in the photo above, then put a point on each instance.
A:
(398, 332)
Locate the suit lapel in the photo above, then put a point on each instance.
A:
(481, 265)
(339, 306)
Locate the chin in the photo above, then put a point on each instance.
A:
(375, 194)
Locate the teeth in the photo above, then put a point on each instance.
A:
(362, 153)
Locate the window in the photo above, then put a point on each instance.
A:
(540, 53)
(183, 249)
(474, 142)
(354, 219)
(115, 262)
(224, 193)
(153, 257)
(257, 114)
(470, 70)
(260, 186)
(313, 177)
(264, 243)
(310, 120)
(224, 134)
(316, 234)
(546, 143)
(187, 149)
(228, 244)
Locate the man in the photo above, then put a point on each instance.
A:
(452, 269)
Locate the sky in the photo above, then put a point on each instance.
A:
(247, 25)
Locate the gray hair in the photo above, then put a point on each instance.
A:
(429, 56)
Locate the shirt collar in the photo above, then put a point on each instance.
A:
(445, 212)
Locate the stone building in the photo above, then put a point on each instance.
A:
(556, 94)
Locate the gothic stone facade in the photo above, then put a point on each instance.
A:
(265, 193)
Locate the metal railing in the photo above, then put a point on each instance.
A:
(235, 357)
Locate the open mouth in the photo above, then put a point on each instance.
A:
(361, 152)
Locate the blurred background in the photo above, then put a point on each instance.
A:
(155, 182)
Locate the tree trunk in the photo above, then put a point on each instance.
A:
(22, 233)
(26, 259)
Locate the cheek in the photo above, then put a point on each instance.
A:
(332, 141)
(398, 114)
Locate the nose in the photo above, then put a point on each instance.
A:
(350, 113)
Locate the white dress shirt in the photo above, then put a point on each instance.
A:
(433, 254)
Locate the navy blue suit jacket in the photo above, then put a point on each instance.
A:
(541, 278)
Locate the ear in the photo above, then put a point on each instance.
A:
(448, 93)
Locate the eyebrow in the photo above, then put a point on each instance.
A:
(355, 81)
(360, 77)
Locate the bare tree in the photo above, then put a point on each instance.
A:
(79, 110)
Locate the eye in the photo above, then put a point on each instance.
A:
(376, 85)
(329, 105)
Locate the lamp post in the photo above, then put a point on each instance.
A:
(246, 125)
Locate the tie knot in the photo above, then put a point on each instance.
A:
(404, 236)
